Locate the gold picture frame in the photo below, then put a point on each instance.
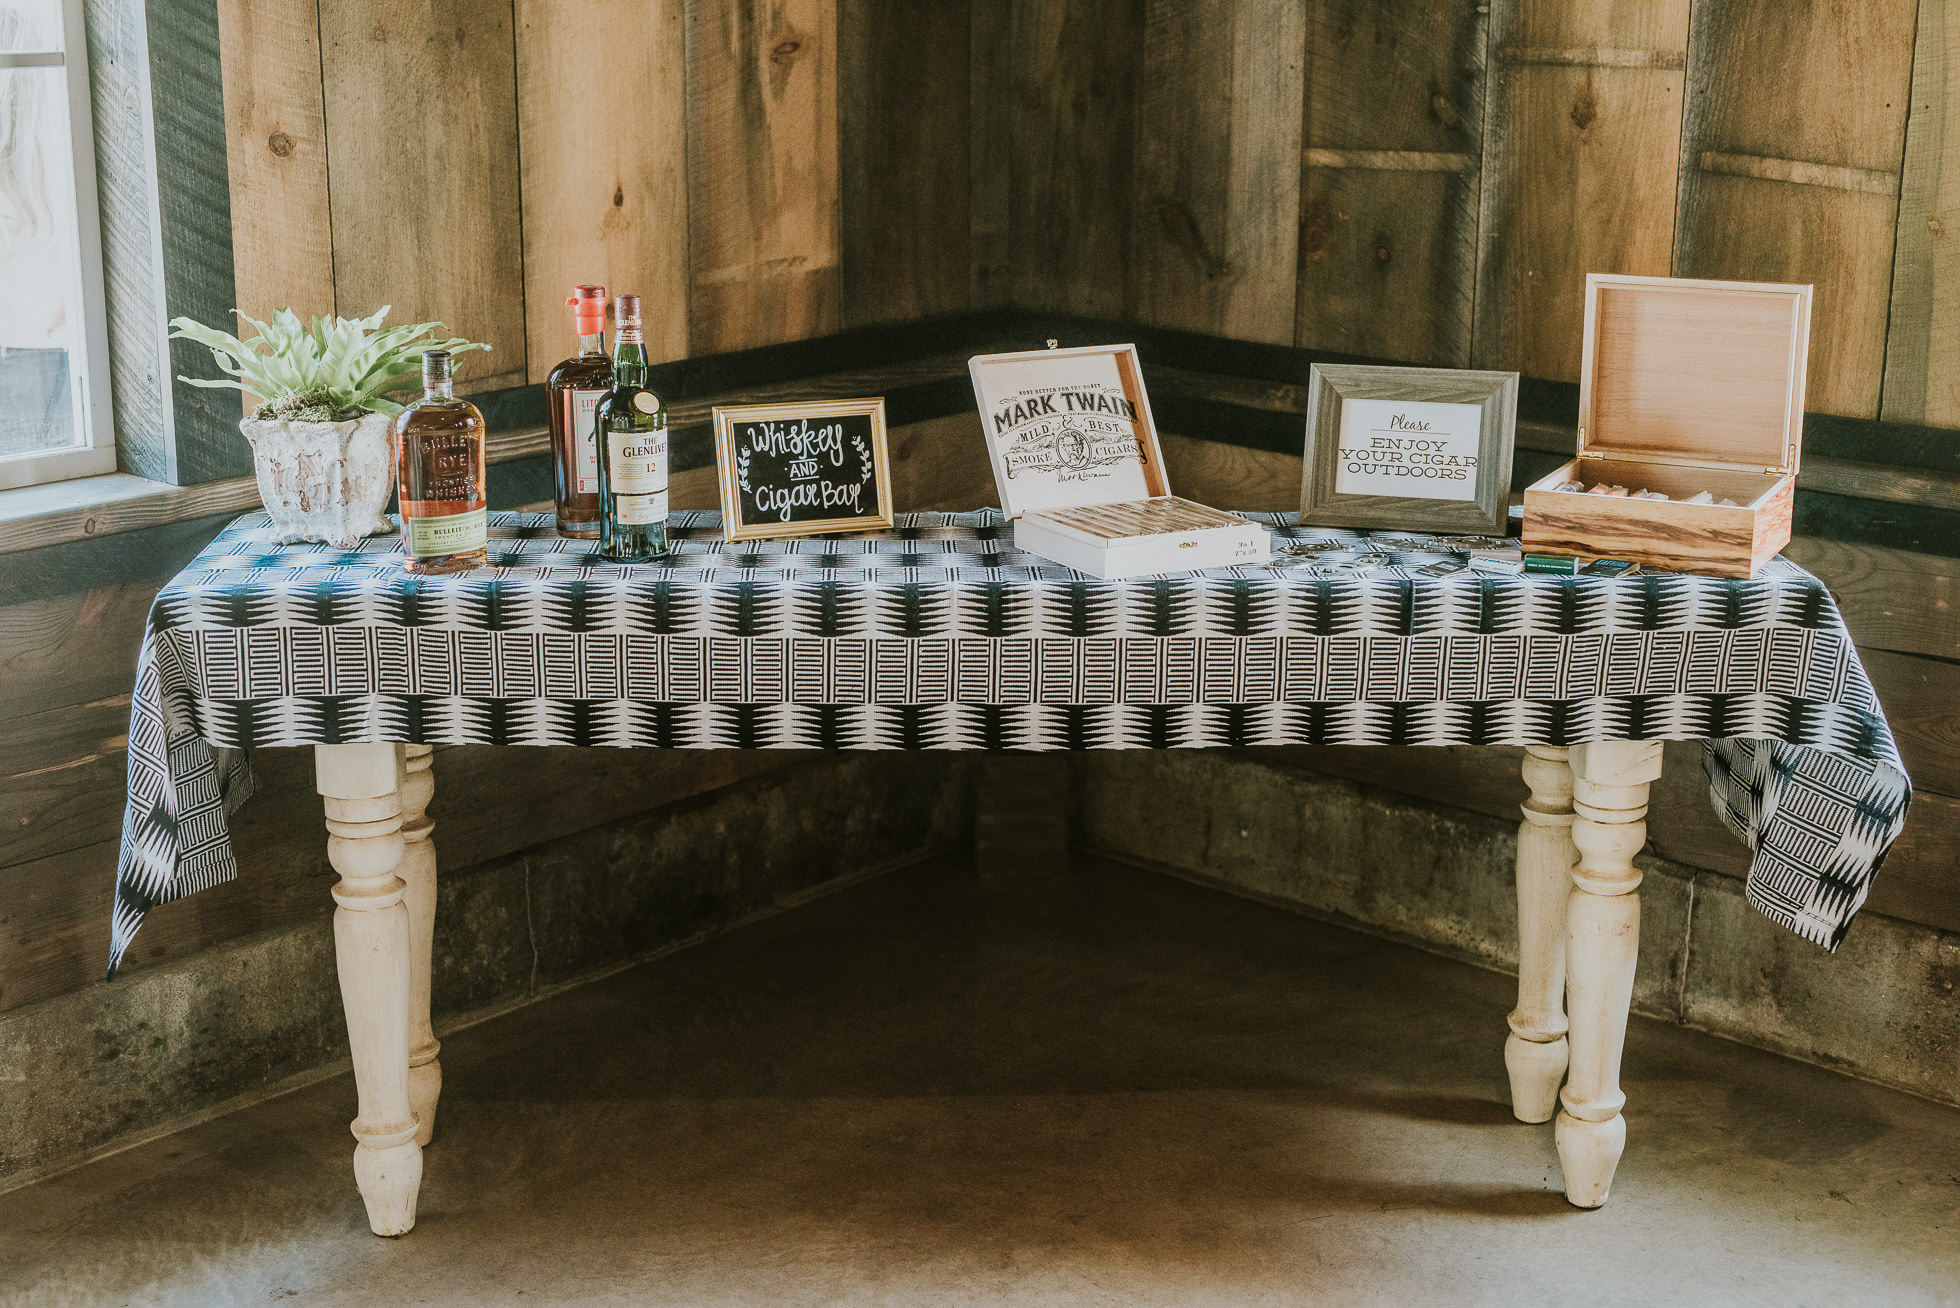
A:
(745, 456)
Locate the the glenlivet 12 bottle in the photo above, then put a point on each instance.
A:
(442, 486)
(632, 428)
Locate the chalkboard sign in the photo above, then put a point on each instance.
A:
(803, 469)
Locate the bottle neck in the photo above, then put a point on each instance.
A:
(443, 389)
(629, 360)
(595, 344)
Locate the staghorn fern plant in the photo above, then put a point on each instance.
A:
(339, 368)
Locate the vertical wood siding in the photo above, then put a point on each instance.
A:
(1215, 224)
(1387, 178)
(762, 169)
(990, 152)
(602, 134)
(276, 153)
(1071, 90)
(1392, 175)
(904, 105)
(1581, 151)
(423, 170)
(1795, 178)
(1922, 347)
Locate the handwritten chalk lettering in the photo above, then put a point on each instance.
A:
(797, 470)
(797, 440)
(781, 502)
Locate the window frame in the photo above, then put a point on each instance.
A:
(95, 453)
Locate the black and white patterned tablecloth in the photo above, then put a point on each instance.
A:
(940, 635)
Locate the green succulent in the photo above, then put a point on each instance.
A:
(338, 368)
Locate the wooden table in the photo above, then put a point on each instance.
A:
(941, 635)
(1578, 933)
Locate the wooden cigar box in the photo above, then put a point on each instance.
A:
(1077, 463)
(1684, 386)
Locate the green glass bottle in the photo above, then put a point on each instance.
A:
(631, 423)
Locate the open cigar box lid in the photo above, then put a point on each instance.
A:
(1700, 373)
(1068, 428)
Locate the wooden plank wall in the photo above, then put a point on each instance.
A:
(738, 163)
(1070, 86)
(613, 210)
(1392, 175)
(1582, 130)
(1462, 167)
(1922, 343)
(905, 136)
(1795, 178)
(1214, 230)
(1377, 177)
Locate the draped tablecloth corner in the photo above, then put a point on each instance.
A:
(939, 634)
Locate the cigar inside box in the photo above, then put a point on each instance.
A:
(1141, 538)
(1141, 518)
(1679, 484)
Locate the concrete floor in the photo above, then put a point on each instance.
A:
(1108, 1086)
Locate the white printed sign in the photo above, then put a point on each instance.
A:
(1409, 449)
(1063, 430)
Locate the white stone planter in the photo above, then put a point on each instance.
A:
(326, 481)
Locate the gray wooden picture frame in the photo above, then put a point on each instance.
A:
(1330, 385)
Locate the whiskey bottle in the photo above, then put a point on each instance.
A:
(442, 488)
(572, 393)
(632, 429)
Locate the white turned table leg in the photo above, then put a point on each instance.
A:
(361, 787)
(1535, 1052)
(418, 874)
(1602, 926)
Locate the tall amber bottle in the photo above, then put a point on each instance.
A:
(443, 487)
(572, 392)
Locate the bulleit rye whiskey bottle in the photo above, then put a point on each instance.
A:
(572, 394)
(632, 427)
(443, 489)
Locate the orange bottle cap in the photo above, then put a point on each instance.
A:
(588, 305)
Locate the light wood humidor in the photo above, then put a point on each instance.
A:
(1684, 386)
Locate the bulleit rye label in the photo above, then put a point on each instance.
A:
(449, 533)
